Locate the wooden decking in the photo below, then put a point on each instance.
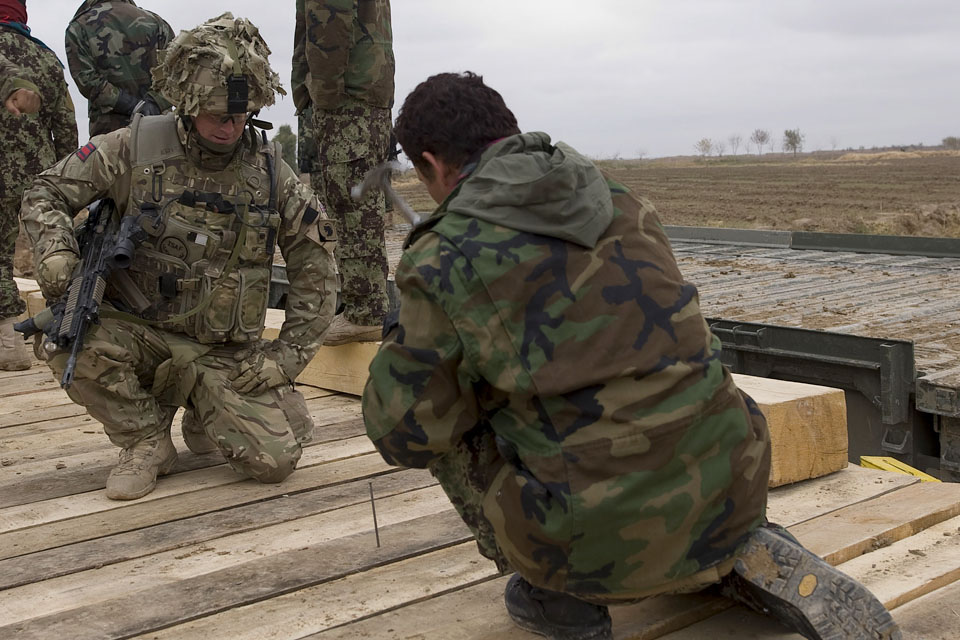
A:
(209, 555)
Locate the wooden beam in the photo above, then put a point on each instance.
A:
(808, 427)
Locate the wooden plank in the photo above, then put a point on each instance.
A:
(94, 522)
(145, 574)
(314, 609)
(852, 531)
(655, 617)
(796, 503)
(165, 536)
(38, 513)
(341, 368)
(932, 617)
(138, 612)
(808, 427)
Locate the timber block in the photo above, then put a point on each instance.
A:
(342, 368)
(30, 294)
(808, 427)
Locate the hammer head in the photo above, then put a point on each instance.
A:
(378, 179)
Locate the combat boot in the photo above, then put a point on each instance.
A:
(194, 436)
(343, 331)
(557, 616)
(13, 352)
(778, 577)
(136, 474)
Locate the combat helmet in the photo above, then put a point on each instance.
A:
(219, 67)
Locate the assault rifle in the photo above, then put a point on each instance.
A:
(107, 245)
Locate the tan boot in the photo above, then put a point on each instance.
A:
(136, 474)
(194, 435)
(13, 352)
(343, 331)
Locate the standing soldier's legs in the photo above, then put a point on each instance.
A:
(352, 140)
(13, 353)
(260, 436)
(113, 378)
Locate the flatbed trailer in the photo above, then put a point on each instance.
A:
(878, 316)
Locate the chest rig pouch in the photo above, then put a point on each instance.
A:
(206, 268)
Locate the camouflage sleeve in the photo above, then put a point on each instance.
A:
(13, 77)
(307, 241)
(82, 62)
(99, 169)
(300, 69)
(329, 38)
(419, 400)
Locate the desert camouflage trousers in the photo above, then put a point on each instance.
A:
(470, 471)
(351, 140)
(132, 378)
(11, 304)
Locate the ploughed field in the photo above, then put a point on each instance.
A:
(897, 193)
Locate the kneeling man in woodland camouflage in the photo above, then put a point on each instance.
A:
(553, 370)
(213, 200)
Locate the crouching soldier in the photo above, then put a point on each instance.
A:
(218, 199)
(553, 370)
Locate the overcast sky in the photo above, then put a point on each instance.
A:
(652, 77)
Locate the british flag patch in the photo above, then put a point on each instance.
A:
(84, 152)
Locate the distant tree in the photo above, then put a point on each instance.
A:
(951, 142)
(734, 141)
(760, 137)
(834, 143)
(641, 153)
(704, 146)
(288, 139)
(793, 140)
(720, 147)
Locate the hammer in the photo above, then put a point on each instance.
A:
(378, 179)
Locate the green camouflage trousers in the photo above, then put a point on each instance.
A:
(132, 378)
(11, 304)
(351, 140)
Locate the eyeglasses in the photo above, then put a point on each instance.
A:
(234, 118)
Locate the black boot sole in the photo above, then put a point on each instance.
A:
(777, 577)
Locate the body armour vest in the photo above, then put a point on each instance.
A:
(205, 264)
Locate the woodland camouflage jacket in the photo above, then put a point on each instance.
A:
(542, 300)
(348, 47)
(111, 48)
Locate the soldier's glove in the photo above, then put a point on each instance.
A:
(148, 107)
(55, 272)
(257, 373)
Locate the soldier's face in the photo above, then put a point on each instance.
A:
(220, 129)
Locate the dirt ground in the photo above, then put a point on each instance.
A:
(898, 193)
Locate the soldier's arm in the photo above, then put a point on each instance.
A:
(99, 168)
(329, 29)
(419, 399)
(307, 241)
(12, 79)
(83, 67)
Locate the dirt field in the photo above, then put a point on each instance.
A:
(898, 193)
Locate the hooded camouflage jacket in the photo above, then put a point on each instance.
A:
(111, 48)
(348, 48)
(542, 300)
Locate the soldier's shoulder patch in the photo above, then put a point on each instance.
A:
(85, 151)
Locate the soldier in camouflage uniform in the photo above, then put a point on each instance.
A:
(347, 45)
(551, 367)
(215, 199)
(111, 47)
(31, 144)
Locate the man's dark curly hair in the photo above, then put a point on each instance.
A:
(452, 115)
